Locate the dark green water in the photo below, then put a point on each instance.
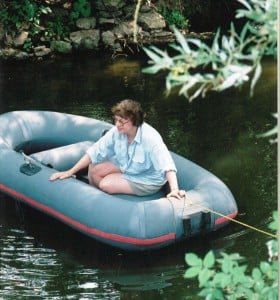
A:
(42, 259)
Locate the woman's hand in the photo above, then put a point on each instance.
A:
(179, 194)
(61, 175)
(173, 184)
(82, 163)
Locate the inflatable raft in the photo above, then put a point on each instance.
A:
(35, 144)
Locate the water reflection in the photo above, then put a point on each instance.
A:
(42, 258)
(25, 268)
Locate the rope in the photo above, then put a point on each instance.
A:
(233, 220)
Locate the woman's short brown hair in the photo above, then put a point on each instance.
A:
(129, 109)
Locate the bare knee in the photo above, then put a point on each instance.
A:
(105, 187)
(99, 171)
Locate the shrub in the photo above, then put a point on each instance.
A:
(226, 278)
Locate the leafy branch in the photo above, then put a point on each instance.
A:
(228, 62)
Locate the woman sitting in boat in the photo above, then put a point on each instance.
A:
(131, 158)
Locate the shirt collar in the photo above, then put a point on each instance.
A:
(138, 136)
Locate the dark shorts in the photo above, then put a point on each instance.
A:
(141, 189)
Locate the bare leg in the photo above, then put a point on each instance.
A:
(98, 171)
(115, 184)
(108, 177)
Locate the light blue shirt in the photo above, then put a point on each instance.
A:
(145, 160)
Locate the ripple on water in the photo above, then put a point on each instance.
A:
(25, 267)
(31, 271)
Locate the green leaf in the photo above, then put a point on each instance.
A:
(272, 294)
(227, 264)
(217, 294)
(190, 83)
(239, 276)
(209, 260)
(225, 43)
(152, 55)
(198, 92)
(259, 285)
(225, 281)
(152, 70)
(217, 279)
(206, 292)
(204, 276)
(192, 272)
(244, 293)
(158, 51)
(257, 75)
(270, 132)
(235, 257)
(256, 274)
(244, 32)
(228, 82)
(245, 3)
(215, 45)
(265, 267)
(198, 43)
(182, 41)
(274, 224)
(193, 260)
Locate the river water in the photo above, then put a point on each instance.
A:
(43, 259)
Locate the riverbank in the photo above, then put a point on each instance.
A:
(111, 30)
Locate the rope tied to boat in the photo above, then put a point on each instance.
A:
(191, 203)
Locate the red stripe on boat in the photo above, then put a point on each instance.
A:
(85, 228)
(225, 219)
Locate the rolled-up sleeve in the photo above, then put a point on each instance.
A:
(161, 158)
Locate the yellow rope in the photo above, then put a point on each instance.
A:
(236, 221)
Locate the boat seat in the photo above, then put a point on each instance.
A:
(62, 158)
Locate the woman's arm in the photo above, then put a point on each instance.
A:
(81, 164)
(173, 184)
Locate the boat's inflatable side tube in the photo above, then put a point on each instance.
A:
(62, 158)
(73, 202)
(208, 204)
(19, 127)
